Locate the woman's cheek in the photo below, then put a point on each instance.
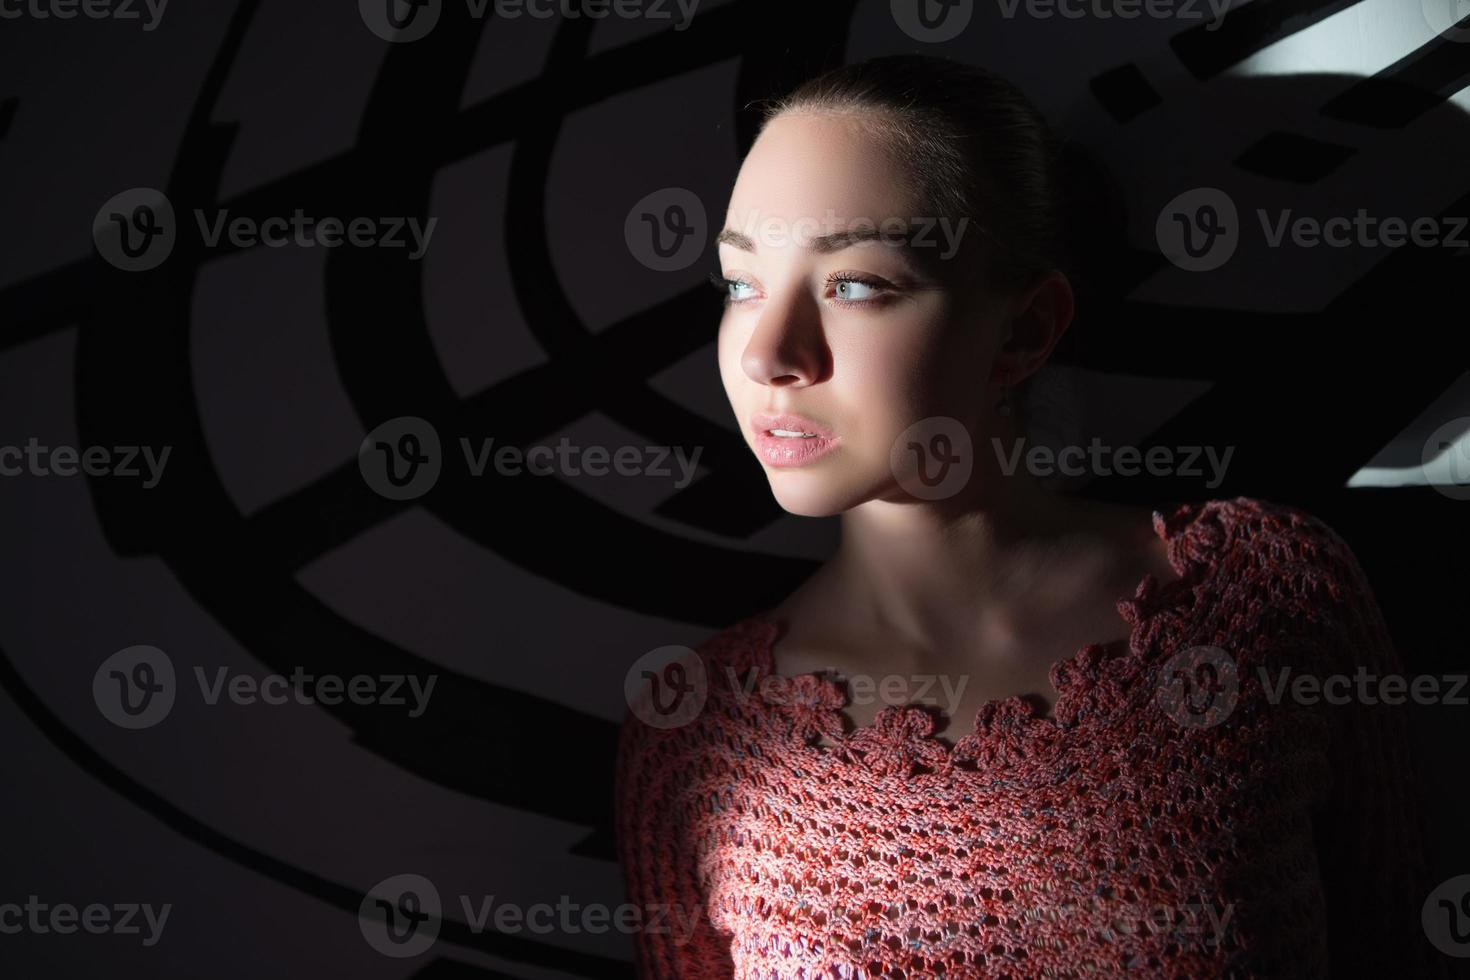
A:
(882, 373)
(727, 351)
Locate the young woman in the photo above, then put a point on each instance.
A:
(1117, 780)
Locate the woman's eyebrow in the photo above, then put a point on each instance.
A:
(822, 244)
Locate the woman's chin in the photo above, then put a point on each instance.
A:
(806, 493)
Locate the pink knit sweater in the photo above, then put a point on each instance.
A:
(1149, 826)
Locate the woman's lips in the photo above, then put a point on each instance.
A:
(791, 450)
(788, 448)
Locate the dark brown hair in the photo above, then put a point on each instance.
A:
(976, 147)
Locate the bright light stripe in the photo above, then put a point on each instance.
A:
(1361, 40)
(1451, 467)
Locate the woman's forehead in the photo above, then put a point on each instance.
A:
(821, 166)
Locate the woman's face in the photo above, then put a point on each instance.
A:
(860, 339)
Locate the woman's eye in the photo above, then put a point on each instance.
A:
(851, 289)
(739, 290)
(735, 290)
(843, 288)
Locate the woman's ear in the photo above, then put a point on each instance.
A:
(1038, 318)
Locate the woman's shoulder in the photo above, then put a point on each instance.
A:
(1267, 536)
(742, 643)
(1281, 561)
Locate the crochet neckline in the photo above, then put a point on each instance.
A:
(1007, 728)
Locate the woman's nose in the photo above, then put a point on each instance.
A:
(787, 347)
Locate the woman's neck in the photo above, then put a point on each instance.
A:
(935, 581)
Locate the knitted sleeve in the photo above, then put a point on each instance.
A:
(660, 843)
(1370, 839)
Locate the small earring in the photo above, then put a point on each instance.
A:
(1003, 407)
